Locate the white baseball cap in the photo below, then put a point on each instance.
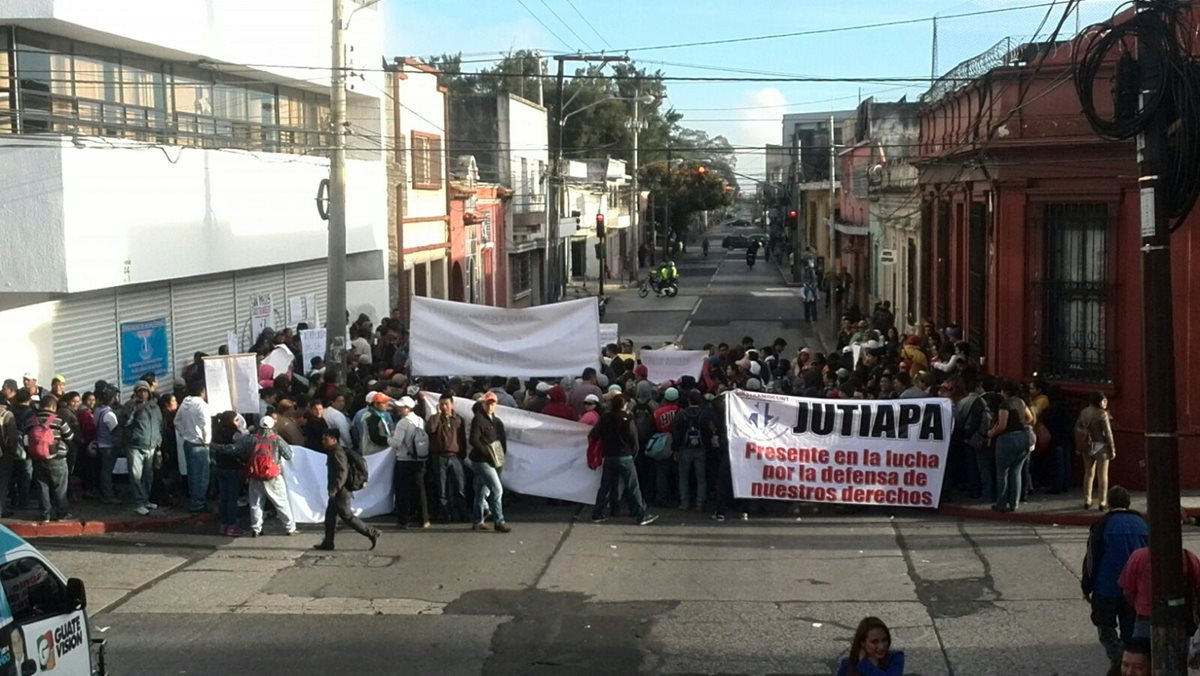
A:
(406, 402)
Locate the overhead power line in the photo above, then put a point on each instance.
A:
(543, 23)
(589, 24)
(560, 20)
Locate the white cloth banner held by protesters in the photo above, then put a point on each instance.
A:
(857, 452)
(664, 365)
(232, 382)
(459, 339)
(547, 456)
(308, 485)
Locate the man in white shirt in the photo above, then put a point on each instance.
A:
(193, 421)
(338, 420)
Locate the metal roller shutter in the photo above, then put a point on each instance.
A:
(310, 277)
(144, 303)
(85, 339)
(261, 280)
(202, 311)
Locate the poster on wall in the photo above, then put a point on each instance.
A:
(313, 343)
(144, 349)
(303, 309)
(262, 310)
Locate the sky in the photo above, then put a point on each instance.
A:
(748, 113)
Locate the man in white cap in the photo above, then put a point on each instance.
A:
(264, 474)
(36, 392)
(410, 442)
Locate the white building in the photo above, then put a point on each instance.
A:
(419, 202)
(161, 167)
(507, 135)
(593, 187)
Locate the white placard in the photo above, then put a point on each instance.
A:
(461, 339)
(546, 457)
(232, 382)
(312, 341)
(231, 342)
(609, 334)
(262, 312)
(303, 309)
(857, 452)
(281, 359)
(664, 365)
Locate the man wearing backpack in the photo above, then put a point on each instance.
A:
(691, 434)
(144, 427)
(347, 472)
(46, 439)
(973, 418)
(410, 442)
(265, 476)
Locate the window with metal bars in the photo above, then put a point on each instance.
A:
(1078, 292)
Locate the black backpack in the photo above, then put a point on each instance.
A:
(692, 437)
(356, 471)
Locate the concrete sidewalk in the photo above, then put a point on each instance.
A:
(93, 517)
(1064, 509)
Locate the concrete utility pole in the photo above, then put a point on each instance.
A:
(556, 260)
(832, 180)
(637, 200)
(1168, 617)
(335, 320)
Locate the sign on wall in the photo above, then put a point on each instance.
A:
(262, 311)
(144, 348)
(303, 309)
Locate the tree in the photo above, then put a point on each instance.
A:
(680, 188)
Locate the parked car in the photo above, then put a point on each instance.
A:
(735, 242)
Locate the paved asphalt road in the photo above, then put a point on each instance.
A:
(777, 594)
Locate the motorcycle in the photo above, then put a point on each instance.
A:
(668, 289)
(751, 255)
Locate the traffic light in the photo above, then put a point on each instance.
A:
(791, 218)
(600, 226)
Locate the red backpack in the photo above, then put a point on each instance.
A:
(39, 440)
(263, 466)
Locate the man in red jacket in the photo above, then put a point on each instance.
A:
(1135, 584)
(558, 406)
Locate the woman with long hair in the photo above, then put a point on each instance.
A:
(1012, 446)
(1094, 441)
(871, 652)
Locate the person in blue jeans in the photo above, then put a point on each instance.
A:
(487, 431)
(618, 437)
(230, 451)
(193, 421)
(144, 436)
(1012, 446)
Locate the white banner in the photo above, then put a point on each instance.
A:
(855, 452)
(231, 342)
(232, 382)
(547, 456)
(280, 360)
(462, 339)
(664, 365)
(609, 334)
(308, 485)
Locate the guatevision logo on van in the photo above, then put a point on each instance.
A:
(57, 643)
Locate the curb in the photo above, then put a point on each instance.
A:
(60, 529)
(1040, 518)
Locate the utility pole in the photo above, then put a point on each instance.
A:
(667, 206)
(637, 200)
(1168, 618)
(556, 259)
(832, 181)
(335, 320)
(933, 67)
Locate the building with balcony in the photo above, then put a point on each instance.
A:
(811, 141)
(593, 188)
(160, 169)
(418, 178)
(508, 138)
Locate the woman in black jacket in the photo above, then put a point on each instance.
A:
(618, 435)
(488, 447)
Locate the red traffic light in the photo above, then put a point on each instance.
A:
(792, 213)
(599, 219)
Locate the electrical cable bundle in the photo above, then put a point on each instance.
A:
(1163, 67)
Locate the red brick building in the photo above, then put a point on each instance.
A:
(1030, 231)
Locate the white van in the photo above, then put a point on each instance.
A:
(44, 627)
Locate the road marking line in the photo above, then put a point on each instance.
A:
(686, 325)
(696, 306)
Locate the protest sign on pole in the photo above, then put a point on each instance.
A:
(313, 343)
(262, 312)
(856, 452)
(456, 339)
(231, 342)
(232, 382)
(546, 456)
(664, 365)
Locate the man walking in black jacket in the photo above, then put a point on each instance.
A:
(338, 465)
(618, 436)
